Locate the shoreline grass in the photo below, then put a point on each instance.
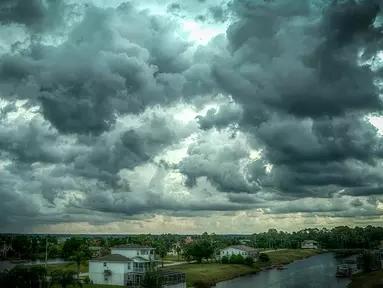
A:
(367, 280)
(208, 274)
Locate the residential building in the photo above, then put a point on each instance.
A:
(310, 244)
(127, 265)
(242, 250)
(95, 251)
(132, 251)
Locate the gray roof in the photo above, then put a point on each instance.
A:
(132, 246)
(310, 241)
(140, 259)
(113, 258)
(243, 248)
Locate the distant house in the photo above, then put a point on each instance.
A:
(127, 265)
(132, 251)
(242, 250)
(310, 244)
(176, 249)
(95, 251)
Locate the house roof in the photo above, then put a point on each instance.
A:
(309, 241)
(131, 246)
(113, 258)
(243, 248)
(140, 259)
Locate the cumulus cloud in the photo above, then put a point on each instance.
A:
(133, 111)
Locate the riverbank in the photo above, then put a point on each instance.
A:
(208, 274)
(367, 280)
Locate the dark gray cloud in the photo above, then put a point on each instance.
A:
(105, 68)
(35, 14)
(296, 71)
(97, 108)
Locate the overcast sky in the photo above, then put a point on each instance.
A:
(189, 116)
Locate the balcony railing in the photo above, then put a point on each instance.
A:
(139, 269)
(107, 272)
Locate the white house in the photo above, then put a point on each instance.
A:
(310, 244)
(132, 251)
(127, 265)
(242, 250)
(111, 269)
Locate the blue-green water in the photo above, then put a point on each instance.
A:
(314, 272)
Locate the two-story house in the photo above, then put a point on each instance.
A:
(127, 265)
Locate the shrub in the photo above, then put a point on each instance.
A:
(236, 259)
(263, 257)
(225, 260)
(248, 261)
(87, 280)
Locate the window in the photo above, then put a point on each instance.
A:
(138, 252)
(104, 264)
(129, 265)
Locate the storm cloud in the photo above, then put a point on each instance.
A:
(132, 111)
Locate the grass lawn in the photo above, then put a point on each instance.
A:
(173, 258)
(210, 273)
(367, 280)
(290, 255)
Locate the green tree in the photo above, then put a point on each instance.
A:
(263, 257)
(225, 260)
(199, 250)
(249, 261)
(161, 251)
(236, 259)
(78, 257)
(23, 277)
(64, 279)
(152, 279)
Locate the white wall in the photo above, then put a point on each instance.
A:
(96, 272)
(232, 251)
(309, 246)
(144, 253)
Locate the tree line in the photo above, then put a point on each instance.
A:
(32, 247)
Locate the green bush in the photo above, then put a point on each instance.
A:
(263, 257)
(87, 280)
(236, 259)
(225, 260)
(248, 261)
(202, 284)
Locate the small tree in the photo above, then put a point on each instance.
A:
(162, 251)
(78, 257)
(263, 257)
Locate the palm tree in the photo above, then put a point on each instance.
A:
(78, 257)
(64, 279)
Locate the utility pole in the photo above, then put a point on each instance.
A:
(46, 252)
